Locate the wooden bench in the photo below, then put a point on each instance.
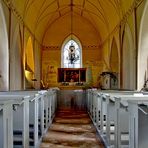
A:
(110, 113)
(26, 115)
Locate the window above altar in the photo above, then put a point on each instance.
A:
(71, 55)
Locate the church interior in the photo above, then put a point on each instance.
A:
(73, 68)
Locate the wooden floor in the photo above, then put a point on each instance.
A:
(71, 129)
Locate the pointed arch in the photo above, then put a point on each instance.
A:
(114, 64)
(71, 40)
(114, 57)
(29, 63)
(4, 53)
(129, 74)
(16, 65)
(29, 55)
(143, 50)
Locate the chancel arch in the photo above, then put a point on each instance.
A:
(143, 50)
(4, 56)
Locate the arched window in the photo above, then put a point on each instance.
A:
(71, 55)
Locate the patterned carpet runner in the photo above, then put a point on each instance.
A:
(71, 129)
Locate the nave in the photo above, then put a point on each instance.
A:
(73, 118)
(53, 51)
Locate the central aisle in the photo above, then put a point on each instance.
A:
(71, 129)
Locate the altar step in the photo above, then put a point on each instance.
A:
(71, 129)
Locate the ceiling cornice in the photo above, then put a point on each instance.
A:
(59, 47)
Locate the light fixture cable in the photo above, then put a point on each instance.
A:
(72, 51)
(71, 8)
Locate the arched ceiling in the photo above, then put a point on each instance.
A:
(102, 15)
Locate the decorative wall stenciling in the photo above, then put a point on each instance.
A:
(49, 73)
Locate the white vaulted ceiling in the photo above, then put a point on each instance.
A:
(48, 19)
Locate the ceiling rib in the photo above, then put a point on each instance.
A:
(48, 11)
(41, 13)
(83, 7)
(50, 23)
(58, 7)
(27, 5)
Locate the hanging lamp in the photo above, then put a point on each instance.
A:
(72, 50)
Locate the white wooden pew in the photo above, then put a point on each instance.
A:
(103, 98)
(34, 115)
(105, 111)
(97, 106)
(138, 123)
(118, 114)
(34, 110)
(7, 118)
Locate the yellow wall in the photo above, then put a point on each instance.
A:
(89, 39)
(50, 62)
(51, 57)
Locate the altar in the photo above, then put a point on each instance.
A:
(72, 78)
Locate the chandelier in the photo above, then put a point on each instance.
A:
(72, 57)
(72, 54)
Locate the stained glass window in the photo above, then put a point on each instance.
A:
(71, 55)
